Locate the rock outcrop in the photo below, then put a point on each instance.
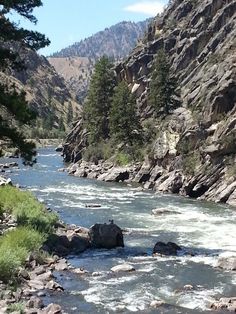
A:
(194, 151)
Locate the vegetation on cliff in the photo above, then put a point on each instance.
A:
(110, 117)
(98, 103)
(162, 94)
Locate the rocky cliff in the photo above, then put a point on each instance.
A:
(76, 62)
(194, 152)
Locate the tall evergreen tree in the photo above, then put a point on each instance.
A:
(13, 105)
(98, 103)
(162, 94)
(124, 122)
(70, 114)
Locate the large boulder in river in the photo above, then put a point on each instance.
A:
(106, 236)
(166, 249)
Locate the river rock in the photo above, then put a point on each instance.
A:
(122, 268)
(156, 303)
(228, 304)
(79, 271)
(227, 263)
(4, 181)
(115, 174)
(106, 236)
(61, 265)
(93, 205)
(53, 285)
(52, 309)
(163, 211)
(59, 148)
(36, 284)
(78, 244)
(35, 303)
(166, 249)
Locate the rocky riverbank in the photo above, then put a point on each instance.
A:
(151, 176)
(36, 278)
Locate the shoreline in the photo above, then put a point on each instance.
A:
(151, 178)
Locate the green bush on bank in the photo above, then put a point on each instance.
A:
(27, 210)
(15, 246)
(34, 225)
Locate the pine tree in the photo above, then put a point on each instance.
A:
(13, 104)
(162, 94)
(124, 122)
(70, 114)
(98, 103)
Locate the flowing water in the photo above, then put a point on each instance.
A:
(205, 229)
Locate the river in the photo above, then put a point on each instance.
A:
(205, 229)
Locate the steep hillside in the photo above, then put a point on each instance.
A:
(76, 62)
(194, 151)
(76, 71)
(46, 91)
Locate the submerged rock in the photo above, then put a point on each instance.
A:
(106, 236)
(166, 249)
(123, 268)
(227, 263)
(163, 211)
(156, 303)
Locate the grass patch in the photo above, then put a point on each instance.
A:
(23, 237)
(15, 246)
(27, 209)
(10, 261)
(34, 224)
(16, 307)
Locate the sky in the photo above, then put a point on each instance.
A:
(67, 21)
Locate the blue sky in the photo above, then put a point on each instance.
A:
(68, 21)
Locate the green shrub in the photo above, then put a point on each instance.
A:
(122, 159)
(27, 210)
(101, 151)
(23, 237)
(34, 215)
(15, 245)
(16, 307)
(11, 258)
(190, 163)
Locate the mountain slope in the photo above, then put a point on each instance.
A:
(115, 42)
(194, 150)
(76, 62)
(46, 91)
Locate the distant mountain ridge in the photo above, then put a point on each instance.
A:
(76, 62)
(115, 42)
